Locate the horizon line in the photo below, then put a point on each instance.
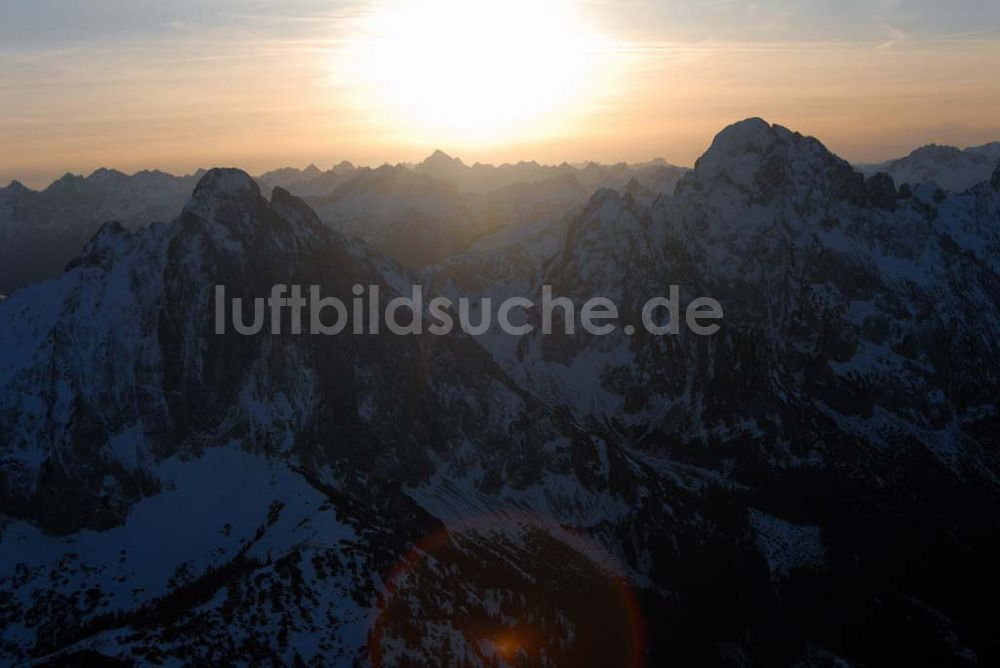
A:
(38, 185)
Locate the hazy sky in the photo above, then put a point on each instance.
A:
(180, 84)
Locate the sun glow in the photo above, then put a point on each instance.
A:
(476, 70)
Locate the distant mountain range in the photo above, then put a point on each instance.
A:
(817, 484)
(658, 175)
(41, 231)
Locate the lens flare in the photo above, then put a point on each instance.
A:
(484, 570)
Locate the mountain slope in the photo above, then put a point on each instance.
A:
(298, 469)
(41, 231)
(851, 390)
(945, 166)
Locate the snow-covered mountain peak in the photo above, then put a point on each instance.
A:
(762, 161)
(610, 236)
(106, 231)
(754, 142)
(947, 167)
(747, 136)
(937, 152)
(219, 186)
(225, 182)
(101, 248)
(990, 150)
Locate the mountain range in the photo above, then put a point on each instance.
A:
(41, 231)
(947, 167)
(816, 484)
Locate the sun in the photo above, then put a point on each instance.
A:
(475, 70)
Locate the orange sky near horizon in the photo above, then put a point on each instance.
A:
(375, 82)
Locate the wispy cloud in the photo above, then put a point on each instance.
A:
(966, 36)
(895, 36)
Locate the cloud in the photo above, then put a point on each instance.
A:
(894, 34)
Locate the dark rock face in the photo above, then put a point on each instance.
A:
(827, 460)
(995, 180)
(882, 191)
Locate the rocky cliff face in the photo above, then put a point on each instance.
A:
(827, 461)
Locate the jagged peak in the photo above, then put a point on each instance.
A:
(292, 207)
(438, 154)
(109, 228)
(17, 187)
(152, 172)
(100, 248)
(607, 211)
(105, 173)
(440, 158)
(66, 180)
(280, 195)
(635, 188)
(605, 199)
